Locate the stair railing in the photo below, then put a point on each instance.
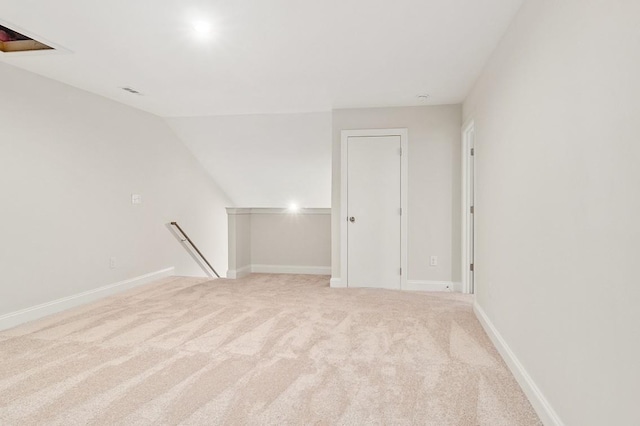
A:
(184, 234)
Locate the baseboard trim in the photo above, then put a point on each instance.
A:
(291, 269)
(415, 285)
(547, 414)
(239, 273)
(22, 316)
(336, 283)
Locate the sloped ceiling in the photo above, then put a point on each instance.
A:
(264, 160)
(284, 58)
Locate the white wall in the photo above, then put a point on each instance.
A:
(300, 240)
(558, 194)
(239, 221)
(69, 162)
(279, 241)
(269, 160)
(434, 184)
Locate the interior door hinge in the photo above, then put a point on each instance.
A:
(400, 211)
(471, 267)
(400, 271)
(472, 151)
(400, 152)
(472, 210)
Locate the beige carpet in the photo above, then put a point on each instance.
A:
(267, 349)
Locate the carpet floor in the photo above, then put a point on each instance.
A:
(263, 350)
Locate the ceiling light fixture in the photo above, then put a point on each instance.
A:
(201, 29)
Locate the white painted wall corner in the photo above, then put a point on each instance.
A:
(543, 408)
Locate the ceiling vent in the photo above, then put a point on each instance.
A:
(131, 90)
(13, 41)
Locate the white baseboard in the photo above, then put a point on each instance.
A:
(287, 269)
(35, 312)
(239, 273)
(544, 410)
(414, 285)
(336, 283)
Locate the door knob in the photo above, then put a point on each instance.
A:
(352, 219)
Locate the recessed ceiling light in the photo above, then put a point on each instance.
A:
(202, 29)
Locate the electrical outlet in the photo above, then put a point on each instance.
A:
(112, 262)
(433, 261)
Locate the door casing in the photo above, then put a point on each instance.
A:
(468, 200)
(344, 198)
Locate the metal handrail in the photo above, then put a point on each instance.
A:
(194, 247)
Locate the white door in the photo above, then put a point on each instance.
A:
(374, 211)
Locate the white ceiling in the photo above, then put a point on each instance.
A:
(267, 56)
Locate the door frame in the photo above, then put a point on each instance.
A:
(344, 198)
(468, 200)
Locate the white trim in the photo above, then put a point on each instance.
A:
(35, 312)
(302, 211)
(279, 210)
(415, 285)
(291, 269)
(542, 406)
(418, 285)
(467, 201)
(336, 283)
(238, 211)
(234, 274)
(404, 197)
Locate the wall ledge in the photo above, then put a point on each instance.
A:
(277, 210)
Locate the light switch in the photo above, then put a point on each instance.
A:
(136, 199)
